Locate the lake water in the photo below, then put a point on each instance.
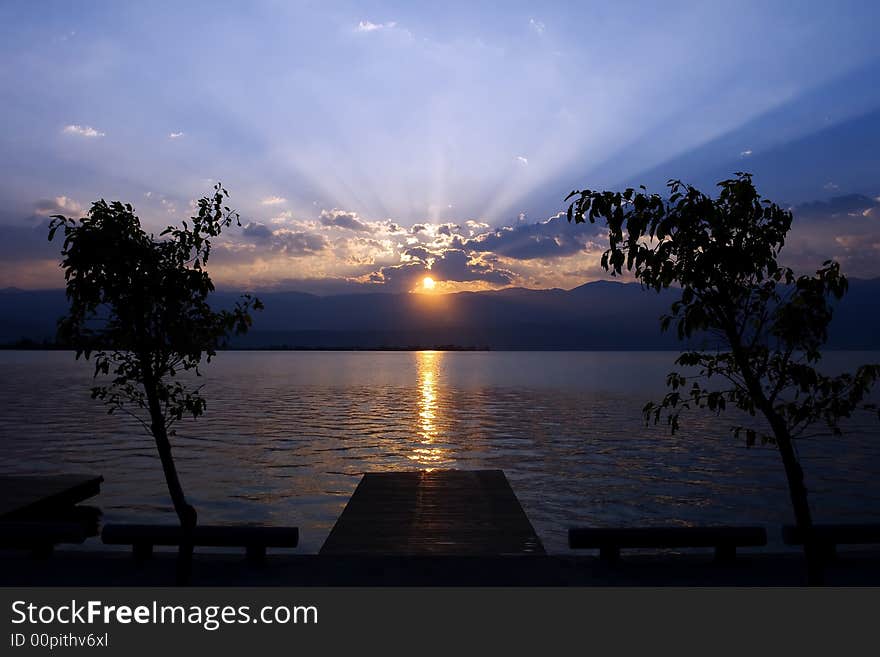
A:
(287, 436)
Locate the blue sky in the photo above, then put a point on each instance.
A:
(368, 143)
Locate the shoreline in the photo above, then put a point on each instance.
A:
(444, 348)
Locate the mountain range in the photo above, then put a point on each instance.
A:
(597, 315)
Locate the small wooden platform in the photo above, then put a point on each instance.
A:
(26, 496)
(455, 512)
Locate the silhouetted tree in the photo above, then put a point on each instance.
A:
(139, 306)
(768, 325)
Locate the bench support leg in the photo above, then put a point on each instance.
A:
(828, 551)
(42, 551)
(609, 555)
(725, 553)
(142, 551)
(256, 553)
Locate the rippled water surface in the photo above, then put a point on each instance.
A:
(288, 434)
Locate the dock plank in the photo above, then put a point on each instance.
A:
(23, 496)
(455, 512)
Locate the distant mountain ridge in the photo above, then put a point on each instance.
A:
(597, 315)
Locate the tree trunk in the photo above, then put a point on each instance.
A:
(798, 493)
(185, 512)
(793, 471)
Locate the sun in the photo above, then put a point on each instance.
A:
(428, 283)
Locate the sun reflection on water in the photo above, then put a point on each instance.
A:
(428, 453)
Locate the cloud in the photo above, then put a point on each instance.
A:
(339, 244)
(746, 153)
(398, 278)
(475, 227)
(848, 205)
(831, 186)
(368, 26)
(357, 254)
(285, 241)
(451, 265)
(419, 253)
(332, 285)
(24, 240)
(273, 200)
(295, 243)
(456, 265)
(537, 26)
(82, 131)
(27, 244)
(282, 217)
(170, 206)
(522, 159)
(845, 229)
(343, 219)
(257, 231)
(175, 135)
(57, 205)
(552, 238)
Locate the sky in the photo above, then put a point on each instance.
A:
(368, 144)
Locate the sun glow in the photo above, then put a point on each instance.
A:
(428, 283)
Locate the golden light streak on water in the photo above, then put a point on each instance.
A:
(427, 454)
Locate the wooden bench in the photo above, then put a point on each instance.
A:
(40, 536)
(828, 537)
(255, 540)
(609, 541)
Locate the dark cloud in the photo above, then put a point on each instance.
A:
(473, 227)
(850, 205)
(419, 252)
(553, 238)
(459, 242)
(318, 286)
(288, 242)
(26, 238)
(456, 265)
(452, 265)
(342, 219)
(398, 278)
(298, 243)
(257, 232)
(845, 229)
(22, 243)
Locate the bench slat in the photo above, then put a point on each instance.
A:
(203, 535)
(835, 534)
(666, 537)
(26, 533)
(40, 536)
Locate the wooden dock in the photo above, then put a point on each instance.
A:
(447, 512)
(25, 496)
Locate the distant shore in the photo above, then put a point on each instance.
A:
(28, 345)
